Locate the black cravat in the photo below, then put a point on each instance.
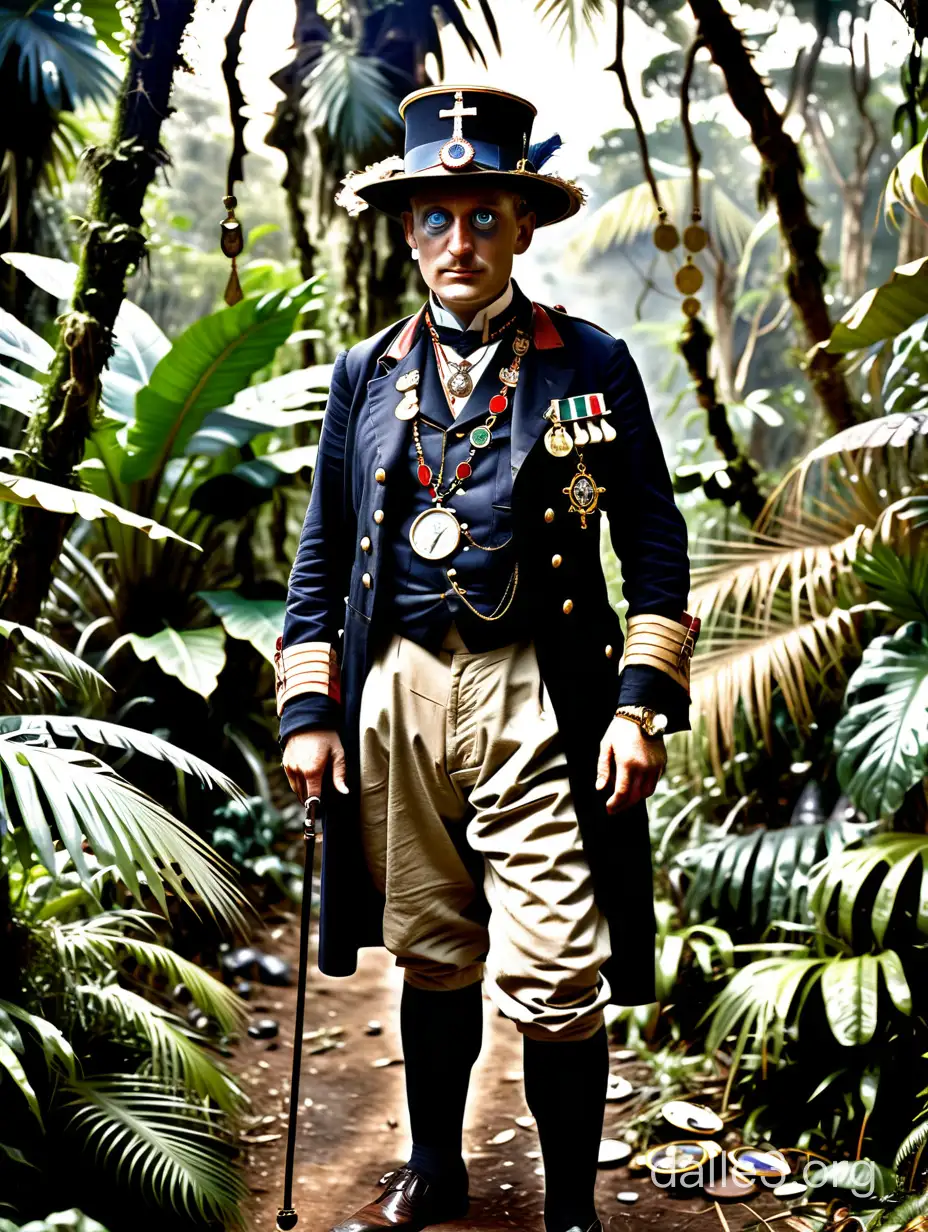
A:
(466, 341)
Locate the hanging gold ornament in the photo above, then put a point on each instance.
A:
(232, 241)
(666, 236)
(695, 237)
(689, 277)
(691, 306)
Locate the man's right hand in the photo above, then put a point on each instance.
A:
(306, 755)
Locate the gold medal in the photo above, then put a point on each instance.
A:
(408, 381)
(584, 494)
(520, 344)
(558, 442)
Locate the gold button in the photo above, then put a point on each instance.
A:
(380, 475)
(557, 560)
(549, 515)
(378, 516)
(608, 652)
(366, 579)
(365, 544)
(568, 606)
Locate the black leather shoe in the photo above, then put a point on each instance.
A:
(410, 1202)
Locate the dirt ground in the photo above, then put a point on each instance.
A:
(353, 1127)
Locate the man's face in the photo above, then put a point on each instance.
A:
(466, 241)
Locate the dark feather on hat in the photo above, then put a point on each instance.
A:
(539, 152)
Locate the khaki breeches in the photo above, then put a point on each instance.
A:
(470, 834)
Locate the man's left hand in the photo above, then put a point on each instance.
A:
(638, 762)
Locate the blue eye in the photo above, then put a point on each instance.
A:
(484, 219)
(436, 219)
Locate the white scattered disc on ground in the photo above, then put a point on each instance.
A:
(697, 1118)
(790, 1189)
(505, 1135)
(619, 1088)
(627, 1195)
(613, 1152)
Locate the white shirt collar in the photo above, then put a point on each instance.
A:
(444, 316)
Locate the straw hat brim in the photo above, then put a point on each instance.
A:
(553, 199)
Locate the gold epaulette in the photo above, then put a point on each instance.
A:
(309, 667)
(657, 641)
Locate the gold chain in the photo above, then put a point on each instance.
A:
(497, 614)
(482, 547)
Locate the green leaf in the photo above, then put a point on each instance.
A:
(176, 1056)
(88, 681)
(131, 740)
(850, 991)
(570, 16)
(22, 490)
(203, 371)
(194, 656)
(12, 1065)
(883, 312)
(82, 798)
(845, 874)
(882, 741)
(258, 621)
(897, 985)
(175, 1150)
(900, 580)
(55, 1047)
(106, 938)
(352, 97)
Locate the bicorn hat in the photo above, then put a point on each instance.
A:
(472, 134)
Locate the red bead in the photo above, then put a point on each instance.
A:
(425, 474)
(464, 470)
(498, 404)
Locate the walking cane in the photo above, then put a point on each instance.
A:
(286, 1214)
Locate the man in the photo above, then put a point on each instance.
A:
(451, 659)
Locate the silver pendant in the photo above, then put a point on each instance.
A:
(460, 383)
(509, 376)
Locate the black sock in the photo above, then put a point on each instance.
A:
(442, 1033)
(565, 1087)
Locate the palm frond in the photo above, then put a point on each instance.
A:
(911, 1144)
(351, 97)
(89, 684)
(751, 577)
(761, 876)
(131, 740)
(59, 62)
(570, 16)
(176, 1056)
(106, 939)
(867, 461)
(174, 1148)
(55, 1048)
(83, 798)
(806, 662)
(881, 865)
(758, 1003)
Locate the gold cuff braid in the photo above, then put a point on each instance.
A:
(309, 667)
(657, 641)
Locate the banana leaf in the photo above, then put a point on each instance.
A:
(207, 365)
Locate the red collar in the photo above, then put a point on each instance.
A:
(544, 334)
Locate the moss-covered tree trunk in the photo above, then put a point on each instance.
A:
(114, 244)
(782, 183)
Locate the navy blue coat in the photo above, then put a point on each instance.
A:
(334, 598)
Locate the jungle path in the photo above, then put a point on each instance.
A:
(356, 1129)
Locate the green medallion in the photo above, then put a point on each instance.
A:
(480, 437)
